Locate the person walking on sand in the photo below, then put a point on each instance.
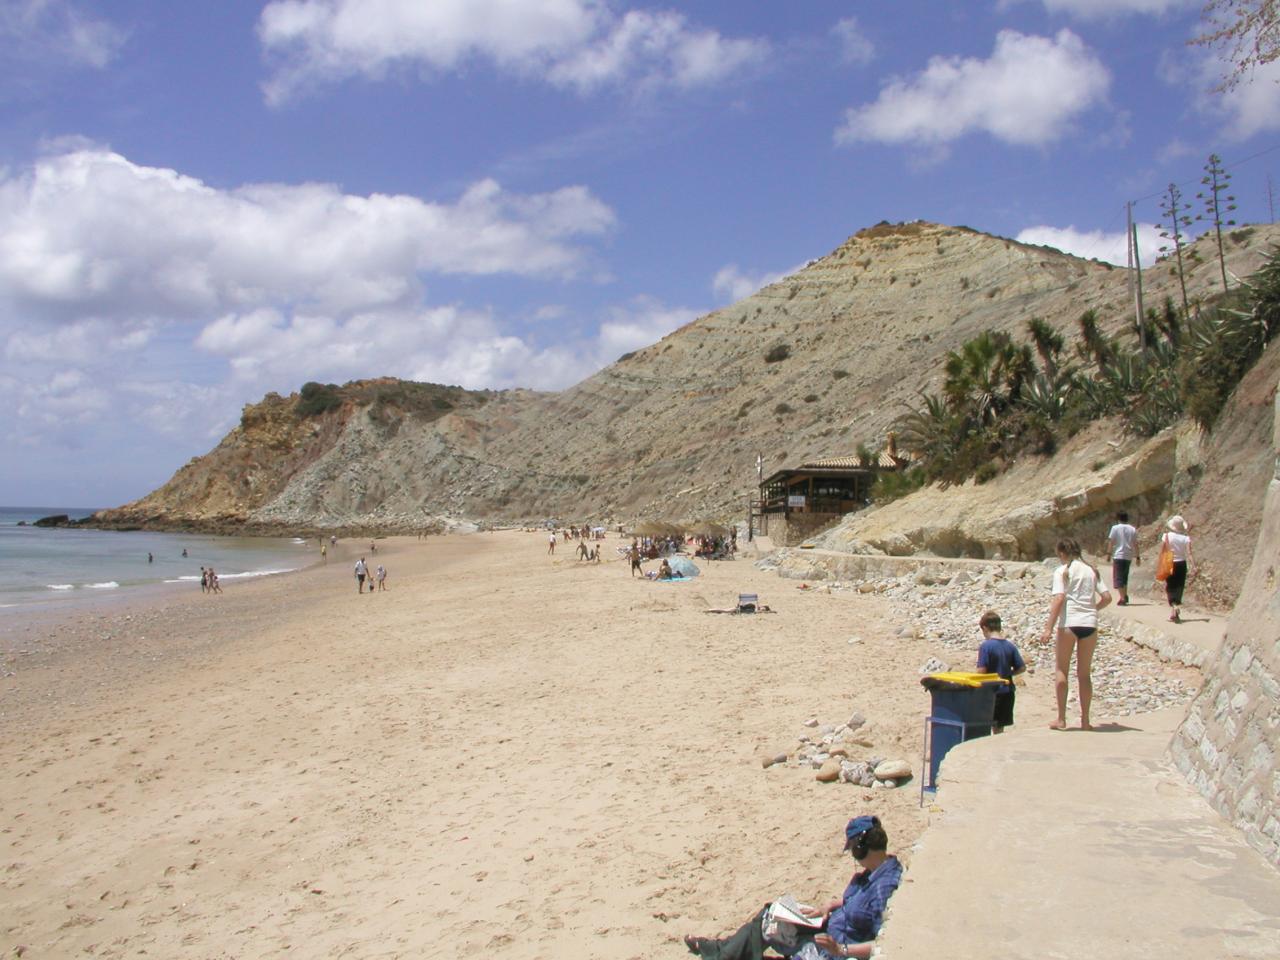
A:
(1000, 656)
(362, 571)
(1122, 541)
(551, 543)
(381, 576)
(1073, 613)
(634, 556)
(1177, 541)
(324, 553)
(214, 586)
(204, 580)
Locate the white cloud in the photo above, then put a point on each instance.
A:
(1247, 109)
(40, 31)
(854, 45)
(580, 44)
(138, 294)
(732, 284)
(642, 322)
(1113, 9)
(1027, 93)
(90, 230)
(1096, 244)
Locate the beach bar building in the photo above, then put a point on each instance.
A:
(797, 502)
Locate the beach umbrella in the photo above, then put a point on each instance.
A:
(648, 528)
(684, 567)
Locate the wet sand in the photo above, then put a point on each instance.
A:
(504, 753)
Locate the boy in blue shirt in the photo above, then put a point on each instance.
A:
(998, 655)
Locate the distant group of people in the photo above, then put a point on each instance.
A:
(209, 581)
(582, 534)
(716, 548)
(377, 580)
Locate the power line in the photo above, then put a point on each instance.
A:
(1228, 166)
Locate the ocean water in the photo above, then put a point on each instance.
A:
(41, 566)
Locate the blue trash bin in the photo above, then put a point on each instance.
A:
(958, 712)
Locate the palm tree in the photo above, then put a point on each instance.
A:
(986, 376)
(930, 432)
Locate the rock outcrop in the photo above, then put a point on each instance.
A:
(1020, 514)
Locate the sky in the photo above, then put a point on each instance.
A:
(204, 202)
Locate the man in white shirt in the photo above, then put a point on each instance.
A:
(1122, 542)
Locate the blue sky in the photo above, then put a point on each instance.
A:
(202, 202)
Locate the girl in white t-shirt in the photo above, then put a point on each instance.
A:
(1077, 598)
(1179, 544)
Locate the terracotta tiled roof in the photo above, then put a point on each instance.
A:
(832, 463)
(889, 462)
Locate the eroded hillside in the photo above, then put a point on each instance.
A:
(809, 366)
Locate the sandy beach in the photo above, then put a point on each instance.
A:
(505, 752)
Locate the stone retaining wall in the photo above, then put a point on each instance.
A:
(854, 567)
(792, 529)
(1228, 744)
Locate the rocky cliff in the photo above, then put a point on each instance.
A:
(809, 366)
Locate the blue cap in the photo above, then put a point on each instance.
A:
(857, 827)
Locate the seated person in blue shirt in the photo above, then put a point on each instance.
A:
(851, 922)
(998, 655)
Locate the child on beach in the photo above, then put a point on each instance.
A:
(381, 574)
(1001, 656)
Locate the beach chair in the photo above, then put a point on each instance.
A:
(747, 603)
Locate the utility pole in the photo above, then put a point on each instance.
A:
(1135, 263)
(1128, 247)
(751, 510)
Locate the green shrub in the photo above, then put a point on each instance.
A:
(891, 486)
(317, 398)
(778, 353)
(783, 408)
(839, 374)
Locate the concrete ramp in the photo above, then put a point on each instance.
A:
(1068, 844)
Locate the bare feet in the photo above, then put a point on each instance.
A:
(1086, 726)
(1058, 725)
(695, 944)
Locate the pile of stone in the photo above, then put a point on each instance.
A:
(831, 750)
(940, 604)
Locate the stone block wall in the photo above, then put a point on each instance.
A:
(793, 529)
(1229, 743)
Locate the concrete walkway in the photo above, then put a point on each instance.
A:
(1068, 844)
(1193, 641)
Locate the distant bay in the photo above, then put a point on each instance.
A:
(41, 566)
